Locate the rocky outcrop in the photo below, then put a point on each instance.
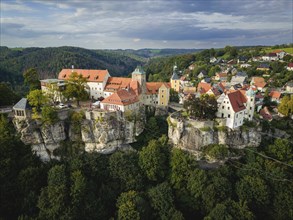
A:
(100, 131)
(193, 136)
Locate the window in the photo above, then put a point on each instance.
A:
(228, 115)
(223, 107)
(236, 115)
(251, 99)
(162, 96)
(250, 108)
(228, 108)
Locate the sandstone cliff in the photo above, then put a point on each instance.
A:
(99, 131)
(193, 136)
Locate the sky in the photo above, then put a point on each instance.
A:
(136, 24)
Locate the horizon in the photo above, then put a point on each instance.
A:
(161, 24)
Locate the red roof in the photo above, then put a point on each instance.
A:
(203, 87)
(275, 94)
(237, 100)
(290, 65)
(265, 113)
(222, 74)
(122, 97)
(278, 51)
(259, 82)
(153, 87)
(90, 75)
(116, 83)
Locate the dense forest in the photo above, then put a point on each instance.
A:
(152, 181)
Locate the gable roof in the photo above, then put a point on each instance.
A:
(275, 94)
(237, 100)
(22, 104)
(122, 97)
(265, 113)
(153, 87)
(259, 82)
(203, 87)
(263, 66)
(90, 75)
(116, 83)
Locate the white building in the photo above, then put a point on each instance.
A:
(236, 106)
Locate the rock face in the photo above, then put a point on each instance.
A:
(100, 131)
(193, 135)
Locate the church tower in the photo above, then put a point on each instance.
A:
(139, 75)
(175, 81)
(250, 104)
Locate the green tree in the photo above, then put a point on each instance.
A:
(124, 167)
(204, 107)
(253, 190)
(76, 87)
(37, 99)
(153, 160)
(49, 115)
(54, 199)
(174, 96)
(281, 150)
(286, 105)
(162, 201)
(7, 95)
(131, 205)
(31, 78)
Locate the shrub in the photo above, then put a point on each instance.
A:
(217, 151)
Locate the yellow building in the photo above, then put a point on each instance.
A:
(175, 80)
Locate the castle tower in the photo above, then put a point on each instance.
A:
(139, 75)
(175, 81)
(250, 104)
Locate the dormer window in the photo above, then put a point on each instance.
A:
(64, 75)
(96, 77)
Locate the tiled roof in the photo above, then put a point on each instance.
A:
(189, 90)
(222, 74)
(265, 113)
(22, 104)
(290, 65)
(90, 75)
(275, 94)
(116, 83)
(122, 97)
(237, 100)
(259, 82)
(203, 87)
(278, 51)
(153, 87)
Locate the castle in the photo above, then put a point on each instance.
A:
(118, 93)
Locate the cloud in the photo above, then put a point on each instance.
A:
(145, 23)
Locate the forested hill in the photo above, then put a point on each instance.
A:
(49, 61)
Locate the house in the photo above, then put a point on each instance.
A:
(242, 59)
(203, 88)
(259, 98)
(259, 83)
(214, 91)
(96, 80)
(290, 67)
(192, 66)
(22, 109)
(265, 114)
(238, 80)
(221, 77)
(270, 57)
(236, 106)
(213, 59)
(53, 88)
(202, 74)
(289, 87)
(244, 74)
(175, 80)
(206, 80)
(263, 67)
(231, 62)
(280, 53)
(157, 93)
(122, 100)
(256, 59)
(275, 96)
(245, 65)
